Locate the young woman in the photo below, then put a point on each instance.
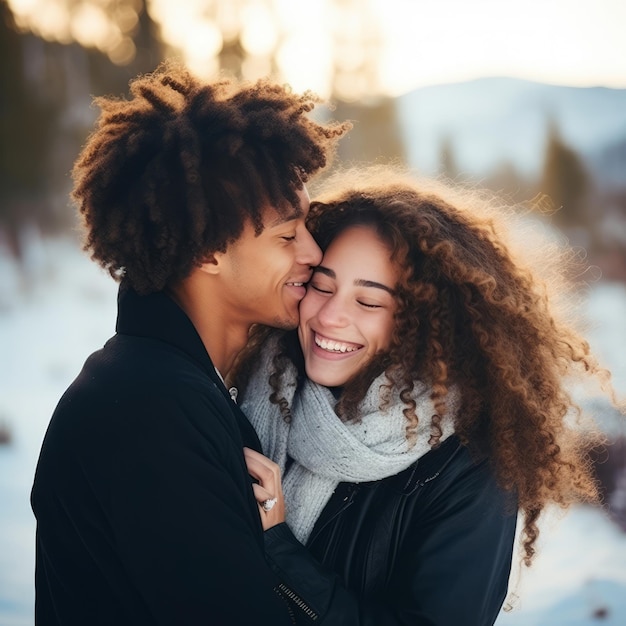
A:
(420, 404)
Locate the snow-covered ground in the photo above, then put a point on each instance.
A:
(63, 308)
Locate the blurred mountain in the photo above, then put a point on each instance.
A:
(490, 121)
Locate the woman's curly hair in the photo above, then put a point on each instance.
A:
(475, 313)
(171, 175)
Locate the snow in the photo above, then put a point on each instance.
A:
(63, 307)
(578, 575)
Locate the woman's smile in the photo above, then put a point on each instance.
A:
(332, 345)
(347, 315)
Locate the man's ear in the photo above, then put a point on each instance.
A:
(212, 263)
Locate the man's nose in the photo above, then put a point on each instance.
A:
(309, 252)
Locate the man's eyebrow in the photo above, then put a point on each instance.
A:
(359, 282)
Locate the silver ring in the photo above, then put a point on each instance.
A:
(268, 504)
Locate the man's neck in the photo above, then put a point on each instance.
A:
(222, 338)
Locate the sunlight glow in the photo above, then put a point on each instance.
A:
(385, 47)
(23, 8)
(126, 17)
(102, 24)
(227, 20)
(555, 41)
(304, 68)
(187, 27)
(305, 54)
(258, 35)
(203, 67)
(254, 68)
(90, 26)
(52, 21)
(203, 40)
(123, 52)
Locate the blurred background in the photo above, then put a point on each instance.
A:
(526, 99)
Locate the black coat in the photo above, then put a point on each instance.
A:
(431, 546)
(145, 511)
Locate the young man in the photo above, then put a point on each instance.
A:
(193, 196)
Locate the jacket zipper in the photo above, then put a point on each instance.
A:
(292, 617)
(298, 601)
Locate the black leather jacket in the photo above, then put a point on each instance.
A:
(429, 546)
(145, 510)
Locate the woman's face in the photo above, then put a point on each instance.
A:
(347, 314)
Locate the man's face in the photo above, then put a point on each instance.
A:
(264, 276)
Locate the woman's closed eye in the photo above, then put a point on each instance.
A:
(328, 291)
(319, 289)
(368, 305)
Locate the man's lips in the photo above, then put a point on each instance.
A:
(299, 281)
(296, 288)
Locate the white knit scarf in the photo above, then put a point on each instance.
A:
(326, 450)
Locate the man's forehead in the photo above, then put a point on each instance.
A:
(275, 219)
(272, 217)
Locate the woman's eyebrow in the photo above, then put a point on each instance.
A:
(359, 282)
(325, 270)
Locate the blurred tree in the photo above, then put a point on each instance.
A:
(566, 182)
(447, 161)
(509, 182)
(46, 85)
(357, 44)
(145, 51)
(376, 134)
(116, 28)
(25, 132)
(96, 46)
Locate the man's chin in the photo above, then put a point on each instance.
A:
(285, 323)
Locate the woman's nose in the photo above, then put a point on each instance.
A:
(333, 313)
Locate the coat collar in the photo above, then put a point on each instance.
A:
(158, 316)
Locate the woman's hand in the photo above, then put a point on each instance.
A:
(268, 492)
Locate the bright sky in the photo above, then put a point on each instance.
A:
(412, 42)
(575, 42)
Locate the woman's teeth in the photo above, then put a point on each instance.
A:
(334, 346)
